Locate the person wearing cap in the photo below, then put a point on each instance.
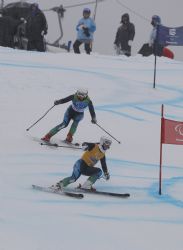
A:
(36, 28)
(80, 101)
(94, 152)
(85, 29)
(158, 49)
(124, 36)
(153, 47)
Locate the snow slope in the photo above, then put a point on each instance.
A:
(129, 108)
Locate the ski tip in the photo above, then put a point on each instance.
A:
(72, 194)
(72, 144)
(76, 195)
(49, 144)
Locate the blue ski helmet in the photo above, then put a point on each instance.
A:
(155, 20)
(87, 11)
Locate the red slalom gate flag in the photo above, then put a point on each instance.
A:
(172, 132)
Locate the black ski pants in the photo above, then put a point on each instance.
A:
(37, 45)
(78, 43)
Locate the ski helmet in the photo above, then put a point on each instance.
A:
(87, 11)
(82, 93)
(155, 20)
(105, 142)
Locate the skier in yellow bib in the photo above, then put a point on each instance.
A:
(94, 152)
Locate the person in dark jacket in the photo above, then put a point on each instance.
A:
(36, 28)
(80, 101)
(94, 152)
(8, 29)
(124, 36)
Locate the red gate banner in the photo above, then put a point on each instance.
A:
(172, 132)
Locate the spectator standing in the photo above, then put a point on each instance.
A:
(124, 36)
(36, 28)
(158, 49)
(85, 29)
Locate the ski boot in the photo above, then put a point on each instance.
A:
(87, 185)
(69, 138)
(58, 186)
(46, 138)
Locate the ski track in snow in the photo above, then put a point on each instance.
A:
(23, 160)
(144, 107)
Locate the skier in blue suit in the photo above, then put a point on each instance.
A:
(85, 29)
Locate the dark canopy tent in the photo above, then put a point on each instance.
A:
(17, 10)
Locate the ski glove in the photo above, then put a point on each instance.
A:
(23, 20)
(94, 120)
(130, 43)
(43, 32)
(56, 102)
(107, 176)
(86, 31)
(116, 46)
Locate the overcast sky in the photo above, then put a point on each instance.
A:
(108, 19)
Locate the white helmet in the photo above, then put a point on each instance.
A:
(105, 142)
(83, 93)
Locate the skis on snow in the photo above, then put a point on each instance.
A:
(74, 144)
(66, 144)
(59, 192)
(62, 144)
(79, 192)
(97, 192)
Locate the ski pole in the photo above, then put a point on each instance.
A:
(58, 146)
(40, 118)
(107, 133)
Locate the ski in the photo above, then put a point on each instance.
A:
(57, 145)
(68, 145)
(59, 192)
(42, 142)
(48, 144)
(119, 195)
(75, 144)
